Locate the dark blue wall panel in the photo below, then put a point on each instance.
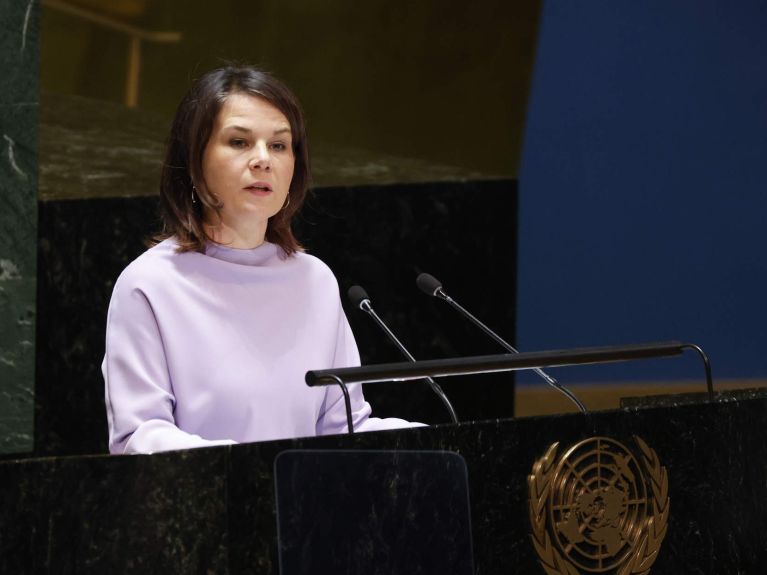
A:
(643, 187)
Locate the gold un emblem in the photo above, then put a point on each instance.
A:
(598, 508)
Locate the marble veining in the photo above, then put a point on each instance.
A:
(12, 157)
(25, 26)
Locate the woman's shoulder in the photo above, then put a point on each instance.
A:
(155, 264)
(313, 266)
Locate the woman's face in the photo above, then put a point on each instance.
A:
(248, 164)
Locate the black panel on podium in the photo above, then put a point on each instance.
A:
(386, 512)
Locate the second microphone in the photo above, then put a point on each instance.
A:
(360, 300)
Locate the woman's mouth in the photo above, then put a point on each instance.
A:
(259, 188)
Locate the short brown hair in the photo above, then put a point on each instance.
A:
(182, 217)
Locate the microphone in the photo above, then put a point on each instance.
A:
(360, 299)
(433, 287)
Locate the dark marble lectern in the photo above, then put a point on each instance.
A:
(223, 510)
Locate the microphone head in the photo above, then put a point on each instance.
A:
(357, 295)
(428, 284)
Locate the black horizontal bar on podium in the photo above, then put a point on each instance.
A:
(403, 371)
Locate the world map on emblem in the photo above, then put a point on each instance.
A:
(598, 504)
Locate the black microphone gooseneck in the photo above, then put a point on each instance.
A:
(359, 299)
(433, 287)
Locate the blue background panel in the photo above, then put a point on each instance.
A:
(643, 196)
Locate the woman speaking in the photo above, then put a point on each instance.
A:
(211, 330)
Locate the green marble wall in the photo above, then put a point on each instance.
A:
(19, 57)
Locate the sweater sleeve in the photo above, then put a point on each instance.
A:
(139, 394)
(332, 420)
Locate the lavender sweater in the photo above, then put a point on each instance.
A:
(212, 349)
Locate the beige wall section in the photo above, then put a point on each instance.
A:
(442, 81)
(542, 400)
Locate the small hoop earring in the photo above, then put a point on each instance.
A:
(194, 198)
(287, 203)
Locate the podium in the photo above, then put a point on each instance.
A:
(215, 510)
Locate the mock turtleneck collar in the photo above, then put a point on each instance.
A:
(258, 256)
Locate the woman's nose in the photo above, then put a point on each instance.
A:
(260, 157)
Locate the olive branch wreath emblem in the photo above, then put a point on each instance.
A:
(641, 559)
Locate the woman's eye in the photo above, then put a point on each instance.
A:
(238, 143)
(279, 146)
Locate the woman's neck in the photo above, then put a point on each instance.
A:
(242, 237)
